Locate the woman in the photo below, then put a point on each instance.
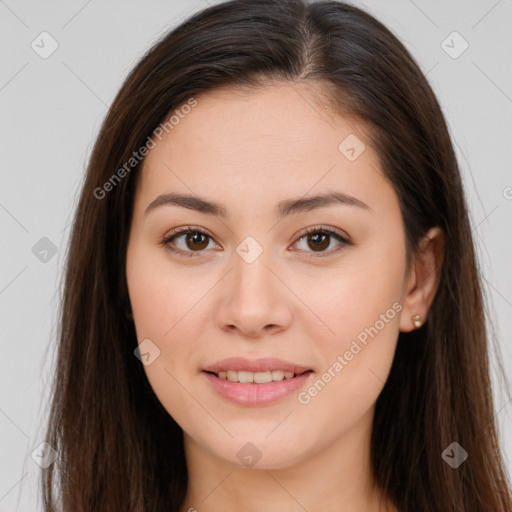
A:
(272, 299)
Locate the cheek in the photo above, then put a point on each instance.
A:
(160, 297)
(166, 309)
(164, 313)
(363, 292)
(361, 308)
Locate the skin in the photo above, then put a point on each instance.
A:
(249, 152)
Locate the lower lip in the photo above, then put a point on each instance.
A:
(252, 394)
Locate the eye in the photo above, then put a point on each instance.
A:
(194, 241)
(320, 238)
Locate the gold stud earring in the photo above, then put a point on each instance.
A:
(416, 320)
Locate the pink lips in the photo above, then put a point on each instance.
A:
(253, 394)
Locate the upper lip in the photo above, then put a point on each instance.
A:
(256, 365)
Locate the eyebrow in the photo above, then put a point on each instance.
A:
(284, 208)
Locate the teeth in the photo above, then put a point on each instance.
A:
(245, 376)
(257, 377)
(232, 376)
(279, 374)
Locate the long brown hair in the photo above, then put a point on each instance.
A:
(119, 449)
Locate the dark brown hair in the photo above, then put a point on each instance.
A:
(119, 449)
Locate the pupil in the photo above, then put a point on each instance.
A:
(319, 239)
(197, 241)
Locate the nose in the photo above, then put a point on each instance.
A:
(254, 302)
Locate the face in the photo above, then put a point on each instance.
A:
(317, 285)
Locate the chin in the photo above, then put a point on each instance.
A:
(259, 452)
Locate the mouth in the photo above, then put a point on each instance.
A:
(256, 389)
(256, 382)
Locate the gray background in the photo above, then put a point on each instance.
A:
(51, 112)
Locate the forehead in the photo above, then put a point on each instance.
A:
(261, 145)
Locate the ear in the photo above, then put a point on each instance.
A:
(423, 278)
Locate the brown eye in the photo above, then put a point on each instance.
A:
(318, 241)
(187, 241)
(196, 241)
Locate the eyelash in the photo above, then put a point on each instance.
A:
(306, 232)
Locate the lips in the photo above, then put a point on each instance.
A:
(258, 382)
